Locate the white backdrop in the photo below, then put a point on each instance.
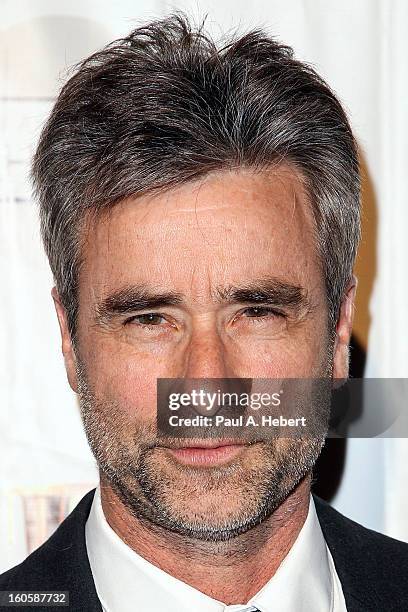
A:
(361, 48)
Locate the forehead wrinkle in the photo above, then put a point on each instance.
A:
(201, 289)
(197, 193)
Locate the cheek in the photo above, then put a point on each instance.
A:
(135, 393)
(299, 356)
(282, 362)
(129, 380)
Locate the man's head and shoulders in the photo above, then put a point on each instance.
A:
(200, 211)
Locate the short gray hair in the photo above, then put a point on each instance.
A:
(165, 106)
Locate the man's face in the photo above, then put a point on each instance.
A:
(205, 248)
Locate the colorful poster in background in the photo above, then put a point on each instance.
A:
(33, 514)
(361, 49)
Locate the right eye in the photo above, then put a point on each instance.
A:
(150, 319)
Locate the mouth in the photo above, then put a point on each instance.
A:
(207, 452)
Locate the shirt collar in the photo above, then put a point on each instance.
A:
(123, 578)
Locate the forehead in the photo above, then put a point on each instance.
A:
(230, 225)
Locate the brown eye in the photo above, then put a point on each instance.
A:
(151, 318)
(261, 312)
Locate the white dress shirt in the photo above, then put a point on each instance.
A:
(306, 580)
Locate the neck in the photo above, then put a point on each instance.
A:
(210, 567)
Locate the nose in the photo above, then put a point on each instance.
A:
(209, 366)
(206, 356)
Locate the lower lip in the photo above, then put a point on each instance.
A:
(207, 456)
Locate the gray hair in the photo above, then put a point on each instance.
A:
(165, 106)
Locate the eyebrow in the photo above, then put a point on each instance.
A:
(131, 299)
(267, 290)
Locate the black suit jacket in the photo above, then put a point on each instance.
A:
(373, 569)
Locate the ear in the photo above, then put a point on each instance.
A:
(343, 331)
(67, 348)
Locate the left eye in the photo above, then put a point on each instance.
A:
(151, 318)
(261, 312)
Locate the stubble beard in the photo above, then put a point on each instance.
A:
(212, 504)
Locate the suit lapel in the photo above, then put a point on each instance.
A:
(61, 564)
(353, 555)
